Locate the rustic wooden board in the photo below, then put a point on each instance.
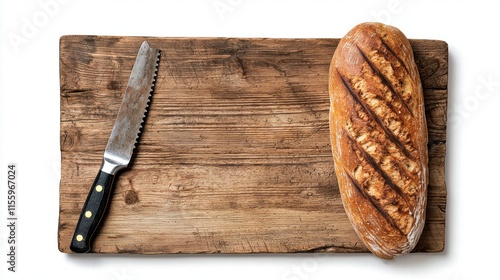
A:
(235, 154)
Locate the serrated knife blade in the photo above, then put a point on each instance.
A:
(120, 147)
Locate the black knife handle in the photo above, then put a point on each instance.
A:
(93, 211)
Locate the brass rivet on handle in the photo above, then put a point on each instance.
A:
(88, 214)
(79, 237)
(98, 188)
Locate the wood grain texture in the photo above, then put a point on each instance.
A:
(235, 153)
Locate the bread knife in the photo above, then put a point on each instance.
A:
(120, 147)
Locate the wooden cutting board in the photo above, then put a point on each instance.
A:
(235, 152)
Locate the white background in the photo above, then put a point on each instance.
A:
(29, 129)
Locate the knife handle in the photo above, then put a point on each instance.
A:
(92, 213)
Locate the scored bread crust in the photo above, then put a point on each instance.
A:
(379, 137)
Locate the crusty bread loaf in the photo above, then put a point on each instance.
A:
(379, 137)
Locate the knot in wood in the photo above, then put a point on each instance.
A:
(131, 197)
(69, 138)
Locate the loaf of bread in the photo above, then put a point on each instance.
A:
(379, 137)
